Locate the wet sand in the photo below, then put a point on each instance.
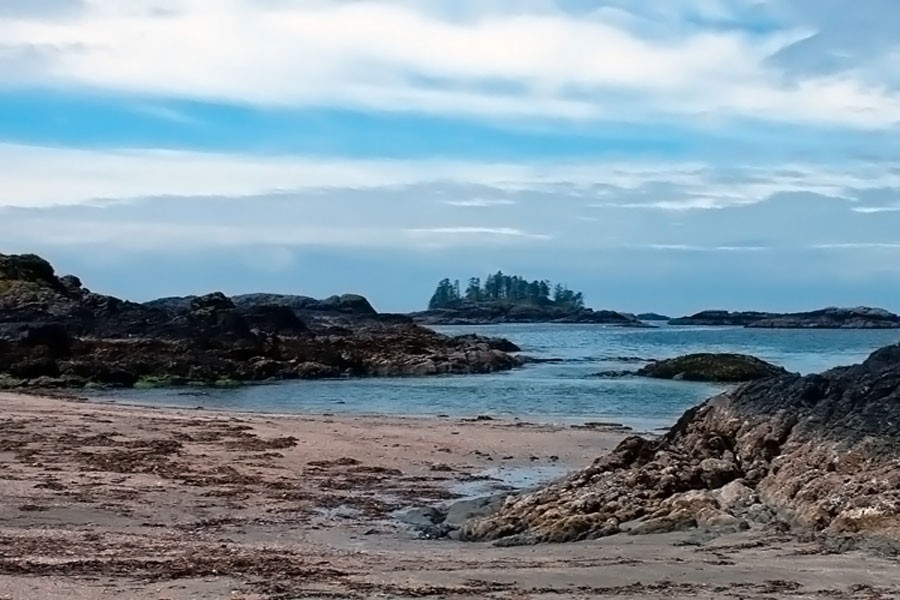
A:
(109, 501)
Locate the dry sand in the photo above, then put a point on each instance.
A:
(101, 501)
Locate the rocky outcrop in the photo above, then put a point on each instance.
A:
(500, 312)
(827, 318)
(349, 310)
(54, 332)
(725, 368)
(818, 454)
(833, 318)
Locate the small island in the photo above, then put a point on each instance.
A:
(502, 298)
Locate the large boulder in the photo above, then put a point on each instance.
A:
(818, 454)
(725, 368)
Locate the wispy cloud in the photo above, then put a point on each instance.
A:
(690, 248)
(858, 246)
(480, 203)
(502, 232)
(867, 210)
(89, 176)
(167, 113)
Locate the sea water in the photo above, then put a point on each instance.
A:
(557, 392)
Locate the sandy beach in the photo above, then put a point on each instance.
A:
(111, 501)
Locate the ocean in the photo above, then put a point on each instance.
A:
(560, 392)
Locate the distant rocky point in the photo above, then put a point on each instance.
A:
(56, 333)
(826, 318)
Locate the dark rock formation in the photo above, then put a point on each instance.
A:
(722, 318)
(347, 304)
(726, 368)
(833, 318)
(494, 343)
(54, 332)
(501, 312)
(827, 318)
(819, 454)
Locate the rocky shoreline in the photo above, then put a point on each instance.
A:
(132, 503)
(814, 455)
(56, 333)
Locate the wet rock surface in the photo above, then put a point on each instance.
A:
(56, 333)
(816, 455)
(726, 368)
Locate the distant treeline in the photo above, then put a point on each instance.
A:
(504, 288)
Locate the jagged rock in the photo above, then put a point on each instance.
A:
(493, 343)
(712, 367)
(819, 453)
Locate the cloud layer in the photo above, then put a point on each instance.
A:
(704, 59)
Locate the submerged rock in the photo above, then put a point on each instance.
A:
(726, 368)
(819, 454)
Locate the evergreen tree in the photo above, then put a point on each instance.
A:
(473, 292)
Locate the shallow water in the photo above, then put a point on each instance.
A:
(498, 479)
(552, 392)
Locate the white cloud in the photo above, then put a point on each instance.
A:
(479, 203)
(483, 59)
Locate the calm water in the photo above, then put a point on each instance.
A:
(557, 392)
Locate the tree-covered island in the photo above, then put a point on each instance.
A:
(502, 298)
(501, 288)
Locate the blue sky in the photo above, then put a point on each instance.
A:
(668, 156)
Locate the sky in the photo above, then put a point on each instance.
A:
(668, 156)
